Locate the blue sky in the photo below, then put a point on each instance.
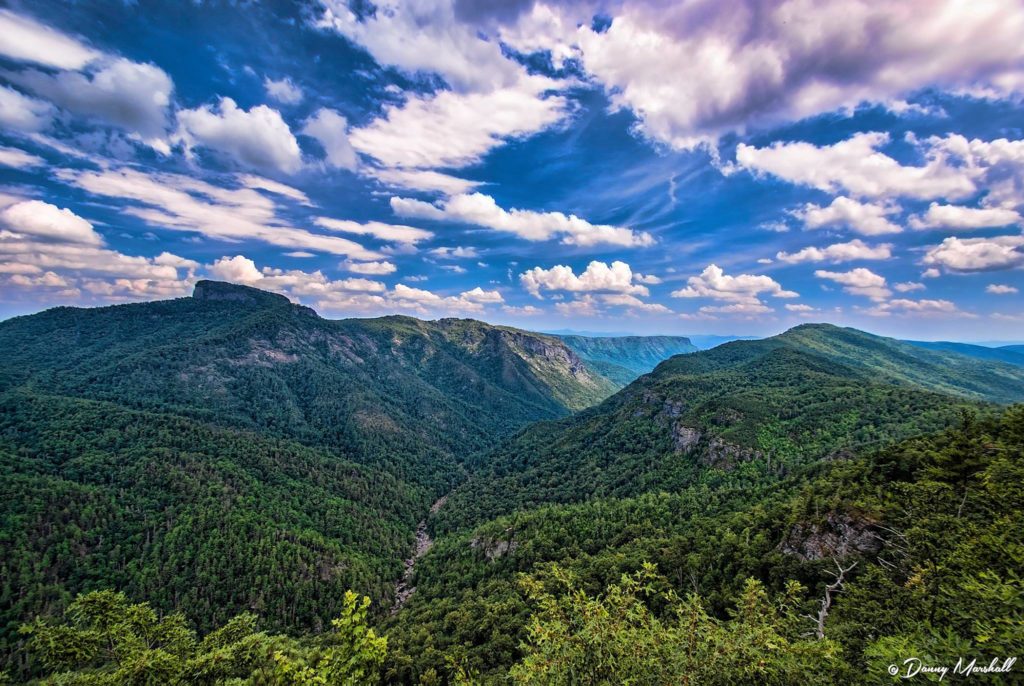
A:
(644, 166)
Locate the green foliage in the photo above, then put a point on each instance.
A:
(105, 639)
(624, 358)
(619, 638)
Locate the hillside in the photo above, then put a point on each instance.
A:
(410, 396)
(747, 406)
(235, 451)
(623, 358)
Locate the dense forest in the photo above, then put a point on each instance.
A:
(222, 489)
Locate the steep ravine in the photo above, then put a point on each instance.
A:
(403, 587)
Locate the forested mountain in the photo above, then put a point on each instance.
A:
(233, 452)
(1019, 349)
(746, 406)
(915, 549)
(410, 396)
(1005, 354)
(623, 358)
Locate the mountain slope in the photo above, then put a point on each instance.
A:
(232, 451)
(747, 407)
(623, 358)
(410, 396)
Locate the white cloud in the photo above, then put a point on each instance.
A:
(800, 308)
(423, 180)
(127, 94)
(26, 40)
(742, 308)
(924, 308)
(38, 219)
(237, 269)
(714, 283)
(839, 252)
(330, 129)
(633, 303)
(867, 219)
(482, 210)
(855, 166)
(397, 233)
(859, 281)
(694, 71)
(1000, 289)
(458, 252)
(183, 203)
(977, 254)
(284, 190)
(19, 159)
(283, 90)
(370, 268)
(450, 129)
(256, 138)
(649, 279)
(908, 286)
(424, 36)
(931, 273)
(22, 113)
(956, 217)
(584, 306)
(598, 278)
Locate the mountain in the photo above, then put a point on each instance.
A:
(623, 358)
(235, 451)
(1004, 354)
(764, 405)
(1017, 349)
(409, 395)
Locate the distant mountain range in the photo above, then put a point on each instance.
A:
(623, 358)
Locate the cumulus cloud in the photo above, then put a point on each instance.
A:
(458, 252)
(451, 129)
(182, 203)
(1000, 289)
(396, 233)
(126, 94)
(957, 217)
(26, 40)
(283, 90)
(237, 269)
(868, 219)
(424, 36)
(481, 210)
(714, 283)
(859, 281)
(694, 71)
(598, 277)
(839, 252)
(23, 113)
(977, 254)
(376, 268)
(257, 138)
(52, 252)
(42, 220)
(856, 166)
(330, 129)
(908, 286)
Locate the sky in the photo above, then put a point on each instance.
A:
(643, 166)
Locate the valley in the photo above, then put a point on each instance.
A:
(234, 453)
